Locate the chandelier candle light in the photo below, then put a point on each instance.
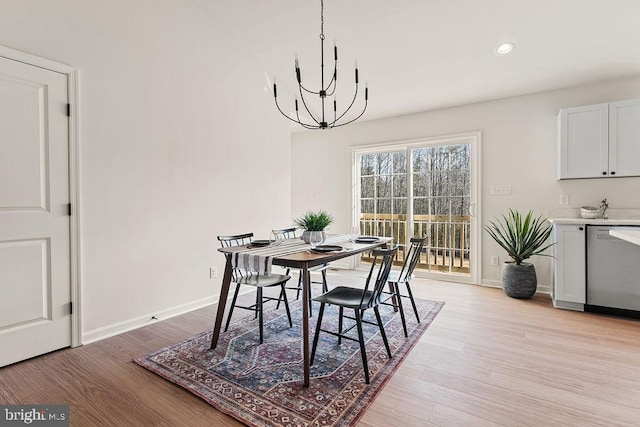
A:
(321, 122)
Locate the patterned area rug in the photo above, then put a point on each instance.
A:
(262, 385)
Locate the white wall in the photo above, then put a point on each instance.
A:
(179, 143)
(518, 148)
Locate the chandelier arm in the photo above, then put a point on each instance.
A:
(305, 125)
(293, 120)
(355, 95)
(304, 103)
(307, 90)
(353, 120)
(334, 80)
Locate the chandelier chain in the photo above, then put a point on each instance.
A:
(321, 19)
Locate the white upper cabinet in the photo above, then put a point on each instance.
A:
(601, 140)
(624, 138)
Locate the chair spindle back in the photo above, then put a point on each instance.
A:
(383, 259)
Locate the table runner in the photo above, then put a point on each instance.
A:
(259, 259)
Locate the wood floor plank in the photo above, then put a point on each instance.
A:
(486, 360)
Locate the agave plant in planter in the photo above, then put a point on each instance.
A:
(314, 221)
(522, 238)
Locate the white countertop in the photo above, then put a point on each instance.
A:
(596, 221)
(629, 234)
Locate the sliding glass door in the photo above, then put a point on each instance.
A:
(422, 189)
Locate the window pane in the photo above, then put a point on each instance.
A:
(367, 164)
(460, 157)
(384, 186)
(383, 206)
(420, 159)
(459, 183)
(421, 185)
(384, 163)
(439, 184)
(439, 158)
(400, 207)
(400, 162)
(457, 206)
(366, 208)
(440, 206)
(400, 186)
(367, 187)
(420, 206)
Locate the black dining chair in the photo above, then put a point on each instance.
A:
(290, 233)
(394, 295)
(243, 276)
(359, 300)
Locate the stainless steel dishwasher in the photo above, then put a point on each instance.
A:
(613, 273)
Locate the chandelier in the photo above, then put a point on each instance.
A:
(322, 121)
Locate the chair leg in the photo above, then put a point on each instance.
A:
(258, 303)
(259, 312)
(382, 333)
(402, 318)
(363, 352)
(325, 288)
(286, 273)
(315, 337)
(340, 314)
(392, 288)
(233, 305)
(283, 294)
(310, 296)
(299, 284)
(413, 303)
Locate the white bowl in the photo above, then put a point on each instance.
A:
(589, 212)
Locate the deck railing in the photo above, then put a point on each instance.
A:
(447, 245)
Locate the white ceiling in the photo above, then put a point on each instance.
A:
(421, 55)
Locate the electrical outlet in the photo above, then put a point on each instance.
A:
(564, 200)
(500, 190)
(213, 272)
(495, 260)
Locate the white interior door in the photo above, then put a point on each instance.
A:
(35, 287)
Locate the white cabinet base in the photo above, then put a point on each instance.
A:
(567, 305)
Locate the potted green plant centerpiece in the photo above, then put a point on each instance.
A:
(314, 221)
(522, 237)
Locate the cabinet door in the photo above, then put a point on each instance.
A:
(583, 148)
(624, 138)
(570, 263)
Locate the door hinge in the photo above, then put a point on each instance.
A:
(68, 110)
(71, 307)
(69, 209)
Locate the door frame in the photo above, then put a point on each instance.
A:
(74, 176)
(475, 141)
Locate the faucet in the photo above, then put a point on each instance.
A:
(604, 206)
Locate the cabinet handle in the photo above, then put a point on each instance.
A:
(580, 228)
(613, 173)
(604, 173)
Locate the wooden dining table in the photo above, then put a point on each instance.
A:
(303, 260)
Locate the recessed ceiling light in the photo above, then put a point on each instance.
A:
(505, 48)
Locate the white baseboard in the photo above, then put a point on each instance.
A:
(140, 321)
(542, 289)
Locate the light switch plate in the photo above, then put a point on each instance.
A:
(500, 190)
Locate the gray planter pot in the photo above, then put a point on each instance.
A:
(305, 236)
(519, 281)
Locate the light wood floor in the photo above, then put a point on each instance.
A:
(486, 360)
